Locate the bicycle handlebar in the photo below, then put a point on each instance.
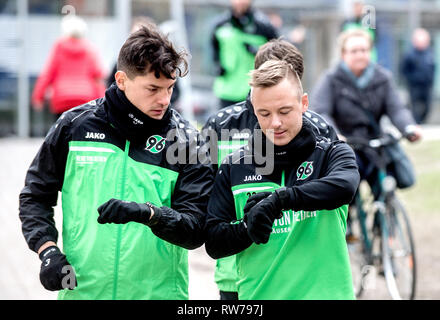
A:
(377, 143)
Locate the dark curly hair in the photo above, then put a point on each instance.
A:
(279, 49)
(148, 50)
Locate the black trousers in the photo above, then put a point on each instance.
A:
(420, 102)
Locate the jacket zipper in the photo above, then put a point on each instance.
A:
(119, 232)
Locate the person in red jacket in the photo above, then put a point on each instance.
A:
(72, 72)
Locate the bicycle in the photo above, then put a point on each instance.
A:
(383, 231)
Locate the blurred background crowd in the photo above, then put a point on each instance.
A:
(38, 43)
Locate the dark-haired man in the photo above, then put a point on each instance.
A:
(129, 213)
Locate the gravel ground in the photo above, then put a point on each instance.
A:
(19, 267)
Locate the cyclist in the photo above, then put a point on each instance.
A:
(115, 147)
(356, 94)
(289, 242)
(241, 118)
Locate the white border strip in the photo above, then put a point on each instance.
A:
(91, 149)
(235, 192)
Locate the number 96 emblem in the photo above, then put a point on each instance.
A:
(304, 170)
(155, 144)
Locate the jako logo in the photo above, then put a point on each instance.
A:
(95, 135)
(241, 135)
(256, 177)
(135, 120)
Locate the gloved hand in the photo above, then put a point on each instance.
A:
(118, 211)
(52, 273)
(275, 200)
(254, 199)
(281, 200)
(260, 212)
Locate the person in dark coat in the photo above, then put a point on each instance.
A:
(356, 94)
(418, 67)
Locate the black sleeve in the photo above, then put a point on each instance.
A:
(207, 126)
(321, 125)
(264, 26)
(210, 134)
(224, 235)
(43, 181)
(182, 224)
(336, 187)
(215, 49)
(399, 115)
(322, 99)
(270, 32)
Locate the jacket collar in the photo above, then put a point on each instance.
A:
(132, 123)
(377, 76)
(364, 79)
(290, 155)
(249, 104)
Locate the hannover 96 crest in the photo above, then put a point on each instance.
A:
(304, 170)
(155, 144)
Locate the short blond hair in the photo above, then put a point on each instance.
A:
(350, 33)
(272, 72)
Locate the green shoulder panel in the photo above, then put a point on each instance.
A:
(236, 60)
(140, 264)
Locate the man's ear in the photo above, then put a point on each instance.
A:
(305, 102)
(120, 78)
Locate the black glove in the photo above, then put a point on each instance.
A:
(56, 271)
(254, 199)
(281, 200)
(118, 211)
(277, 201)
(260, 212)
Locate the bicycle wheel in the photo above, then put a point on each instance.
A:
(398, 251)
(360, 238)
(356, 252)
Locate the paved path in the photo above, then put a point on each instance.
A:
(19, 267)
